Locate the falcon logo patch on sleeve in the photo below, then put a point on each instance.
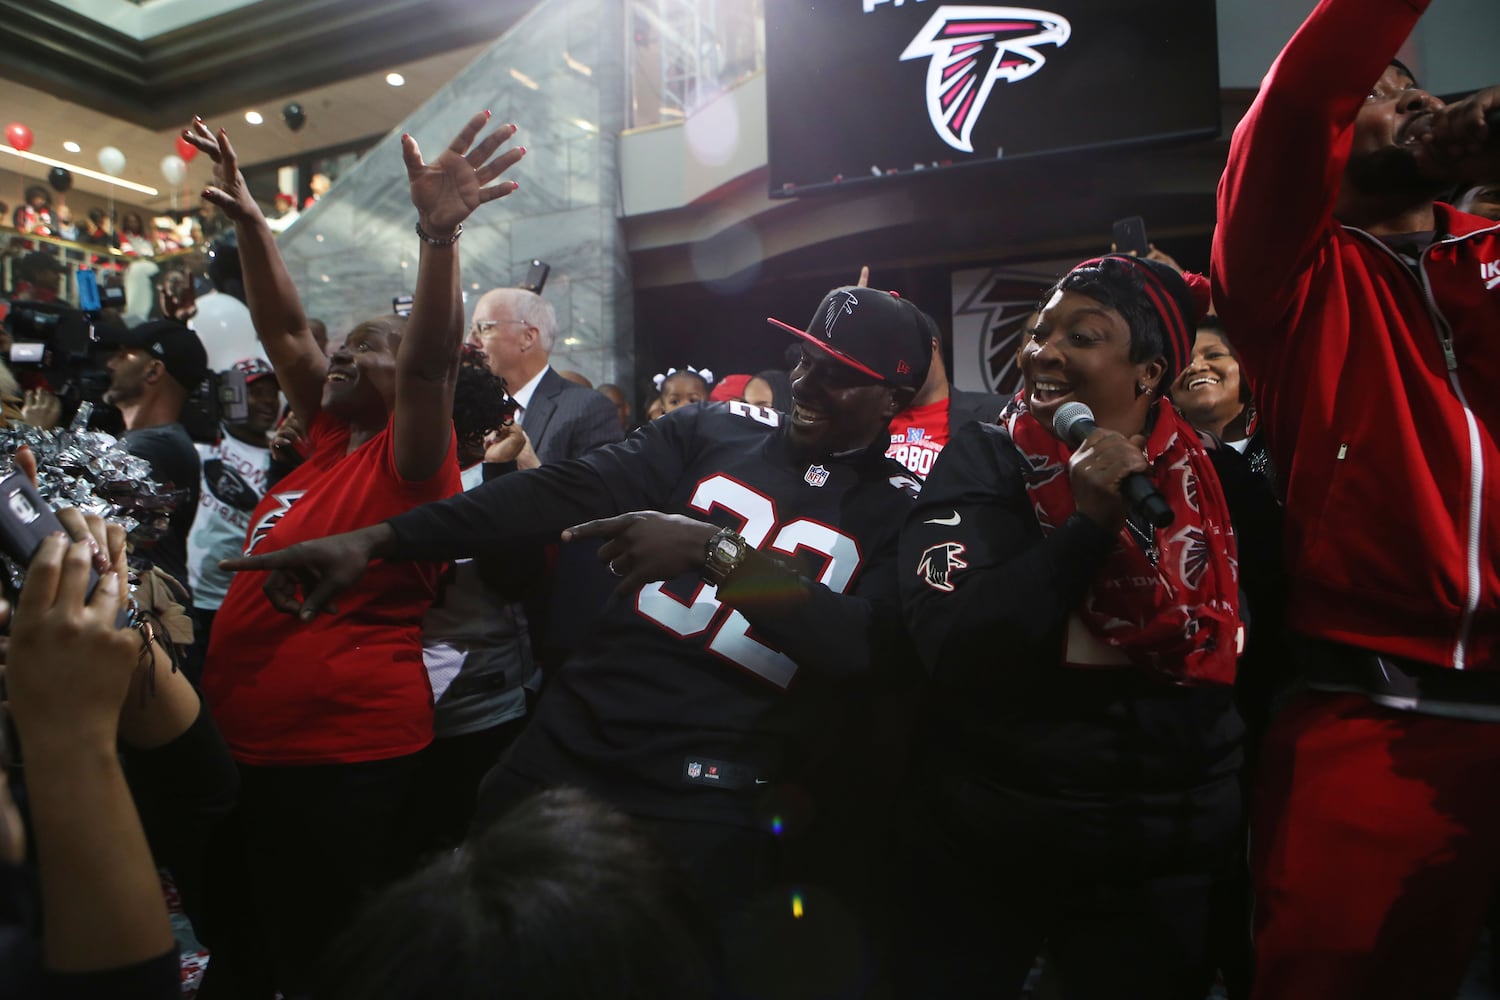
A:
(939, 563)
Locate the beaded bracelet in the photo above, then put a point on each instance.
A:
(434, 241)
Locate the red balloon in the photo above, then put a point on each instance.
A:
(185, 149)
(19, 136)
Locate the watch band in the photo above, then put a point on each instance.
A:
(722, 555)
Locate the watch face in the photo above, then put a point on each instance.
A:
(726, 549)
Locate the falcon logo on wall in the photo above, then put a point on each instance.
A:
(969, 48)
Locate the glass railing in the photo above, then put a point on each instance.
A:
(47, 269)
(683, 53)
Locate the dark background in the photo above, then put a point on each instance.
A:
(840, 100)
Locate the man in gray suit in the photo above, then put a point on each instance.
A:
(516, 329)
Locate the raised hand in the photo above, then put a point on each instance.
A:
(288, 435)
(645, 546)
(452, 186)
(1454, 143)
(229, 190)
(41, 409)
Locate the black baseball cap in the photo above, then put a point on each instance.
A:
(874, 332)
(173, 344)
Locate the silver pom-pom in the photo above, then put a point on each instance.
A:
(92, 471)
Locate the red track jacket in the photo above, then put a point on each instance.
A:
(1380, 390)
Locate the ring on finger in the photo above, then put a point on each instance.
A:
(615, 569)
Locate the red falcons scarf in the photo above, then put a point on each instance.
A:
(1179, 617)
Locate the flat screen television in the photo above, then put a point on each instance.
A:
(860, 90)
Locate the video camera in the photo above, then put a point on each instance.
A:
(57, 346)
(65, 350)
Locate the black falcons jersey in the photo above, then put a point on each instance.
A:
(682, 706)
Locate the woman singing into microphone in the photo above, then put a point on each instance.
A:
(1079, 770)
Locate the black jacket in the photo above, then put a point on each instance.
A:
(1078, 759)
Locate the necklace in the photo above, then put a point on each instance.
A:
(1146, 539)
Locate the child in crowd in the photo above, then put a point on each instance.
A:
(679, 388)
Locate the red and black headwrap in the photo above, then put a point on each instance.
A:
(1180, 300)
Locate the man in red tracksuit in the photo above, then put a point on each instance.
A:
(1368, 317)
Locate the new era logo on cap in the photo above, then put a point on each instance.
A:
(874, 332)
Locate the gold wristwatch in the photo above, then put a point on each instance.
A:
(725, 551)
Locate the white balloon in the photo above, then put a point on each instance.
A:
(223, 324)
(173, 168)
(112, 161)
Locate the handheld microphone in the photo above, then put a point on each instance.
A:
(1074, 422)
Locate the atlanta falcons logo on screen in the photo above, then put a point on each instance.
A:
(968, 49)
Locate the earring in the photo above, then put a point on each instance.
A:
(1141, 388)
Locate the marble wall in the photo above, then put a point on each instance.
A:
(559, 74)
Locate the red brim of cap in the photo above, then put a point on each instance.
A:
(832, 352)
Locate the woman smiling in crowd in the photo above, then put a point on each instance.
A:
(326, 717)
(1081, 763)
(1213, 394)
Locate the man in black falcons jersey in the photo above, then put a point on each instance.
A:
(758, 590)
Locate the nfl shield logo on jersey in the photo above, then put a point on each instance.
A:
(816, 475)
(695, 769)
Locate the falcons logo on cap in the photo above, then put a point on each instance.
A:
(972, 47)
(842, 304)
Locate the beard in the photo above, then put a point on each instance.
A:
(115, 395)
(1392, 172)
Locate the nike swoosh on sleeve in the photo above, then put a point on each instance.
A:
(949, 521)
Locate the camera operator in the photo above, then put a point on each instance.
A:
(155, 368)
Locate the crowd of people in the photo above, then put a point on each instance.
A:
(45, 213)
(1171, 670)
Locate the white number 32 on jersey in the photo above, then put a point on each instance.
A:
(757, 514)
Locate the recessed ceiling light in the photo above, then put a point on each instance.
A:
(72, 147)
(395, 79)
(253, 117)
(524, 80)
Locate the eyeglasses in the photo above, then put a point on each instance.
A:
(480, 327)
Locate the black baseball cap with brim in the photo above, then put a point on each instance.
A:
(174, 345)
(875, 332)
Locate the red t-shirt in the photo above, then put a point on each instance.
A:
(344, 688)
(918, 434)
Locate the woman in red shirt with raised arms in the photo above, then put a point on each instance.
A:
(325, 716)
